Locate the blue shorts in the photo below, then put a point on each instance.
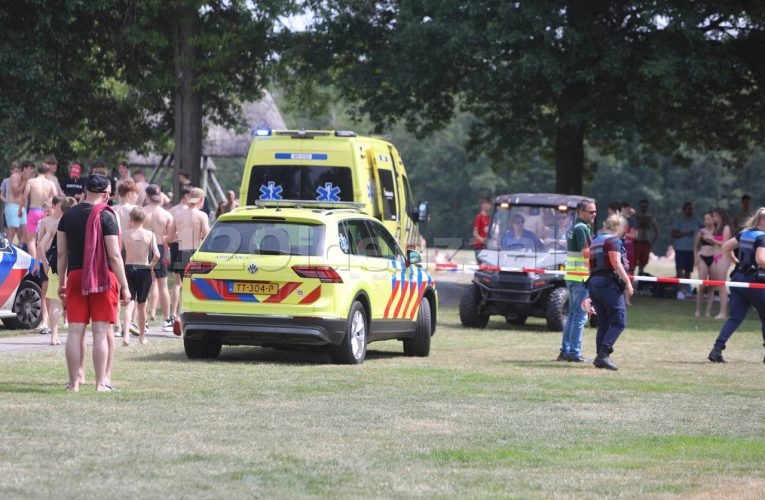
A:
(12, 218)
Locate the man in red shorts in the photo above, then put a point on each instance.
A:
(91, 274)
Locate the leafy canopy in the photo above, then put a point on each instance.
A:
(548, 75)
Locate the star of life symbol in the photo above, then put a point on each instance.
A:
(329, 192)
(344, 246)
(271, 192)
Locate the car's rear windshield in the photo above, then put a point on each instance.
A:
(265, 238)
(300, 182)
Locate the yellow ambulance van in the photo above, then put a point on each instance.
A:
(333, 166)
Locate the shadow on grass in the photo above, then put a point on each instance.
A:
(28, 388)
(546, 363)
(252, 354)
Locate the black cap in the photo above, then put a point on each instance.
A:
(97, 183)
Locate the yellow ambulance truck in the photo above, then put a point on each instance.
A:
(329, 167)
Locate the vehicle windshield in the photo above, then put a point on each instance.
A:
(265, 237)
(529, 228)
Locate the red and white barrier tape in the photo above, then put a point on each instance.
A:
(654, 279)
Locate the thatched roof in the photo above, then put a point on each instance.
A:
(227, 142)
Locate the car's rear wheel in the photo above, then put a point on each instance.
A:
(353, 349)
(557, 309)
(469, 304)
(419, 345)
(201, 348)
(27, 306)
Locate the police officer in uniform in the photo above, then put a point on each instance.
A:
(578, 242)
(608, 284)
(750, 267)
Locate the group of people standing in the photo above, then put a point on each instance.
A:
(598, 268)
(714, 248)
(597, 281)
(101, 250)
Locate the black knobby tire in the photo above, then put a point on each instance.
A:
(27, 306)
(353, 349)
(201, 348)
(419, 345)
(469, 304)
(557, 309)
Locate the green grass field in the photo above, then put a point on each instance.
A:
(488, 415)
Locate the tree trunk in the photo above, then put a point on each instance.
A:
(569, 159)
(188, 101)
(569, 141)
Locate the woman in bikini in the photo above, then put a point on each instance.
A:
(721, 264)
(705, 254)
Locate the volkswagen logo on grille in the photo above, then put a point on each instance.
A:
(252, 268)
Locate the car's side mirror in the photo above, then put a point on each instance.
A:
(423, 212)
(413, 257)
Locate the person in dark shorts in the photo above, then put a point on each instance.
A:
(181, 207)
(138, 244)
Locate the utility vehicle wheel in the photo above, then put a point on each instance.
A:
(557, 309)
(201, 348)
(27, 306)
(469, 304)
(353, 349)
(419, 345)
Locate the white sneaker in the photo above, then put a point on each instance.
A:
(167, 326)
(134, 329)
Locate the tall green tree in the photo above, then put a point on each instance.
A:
(189, 59)
(58, 91)
(109, 76)
(548, 76)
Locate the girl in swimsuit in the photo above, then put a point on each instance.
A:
(721, 264)
(705, 254)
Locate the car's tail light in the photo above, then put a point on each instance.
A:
(198, 268)
(325, 274)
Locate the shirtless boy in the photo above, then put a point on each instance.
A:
(46, 233)
(158, 221)
(127, 196)
(11, 210)
(189, 228)
(36, 191)
(138, 243)
(15, 209)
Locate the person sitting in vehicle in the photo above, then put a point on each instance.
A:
(556, 231)
(518, 238)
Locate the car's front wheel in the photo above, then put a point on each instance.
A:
(419, 345)
(201, 348)
(353, 349)
(27, 306)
